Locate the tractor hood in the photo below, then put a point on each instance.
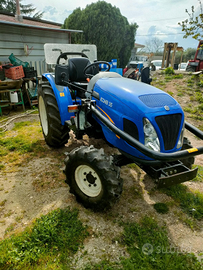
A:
(138, 96)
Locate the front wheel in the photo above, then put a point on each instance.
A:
(93, 178)
(54, 132)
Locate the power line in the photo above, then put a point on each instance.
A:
(164, 34)
(160, 35)
(161, 20)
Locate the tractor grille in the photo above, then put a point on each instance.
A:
(169, 126)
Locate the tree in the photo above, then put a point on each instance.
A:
(187, 55)
(194, 25)
(10, 6)
(154, 45)
(104, 26)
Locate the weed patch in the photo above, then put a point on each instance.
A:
(52, 239)
(161, 208)
(191, 203)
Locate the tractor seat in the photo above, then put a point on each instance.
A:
(76, 69)
(76, 74)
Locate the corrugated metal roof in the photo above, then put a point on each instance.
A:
(9, 19)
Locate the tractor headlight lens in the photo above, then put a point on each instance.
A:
(180, 141)
(151, 138)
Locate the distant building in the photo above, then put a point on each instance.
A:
(133, 56)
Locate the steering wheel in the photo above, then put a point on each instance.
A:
(64, 55)
(95, 64)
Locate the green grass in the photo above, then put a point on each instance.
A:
(180, 94)
(170, 93)
(103, 265)
(21, 144)
(161, 83)
(199, 177)
(17, 143)
(168, 78)
(178, 76)
(161, 208)
(1, 166)
(191, 203)
(149, 248)
(21, 125)
(199, 96)
(51, 241)
(200, 84)
(22, 138)
(196, 112)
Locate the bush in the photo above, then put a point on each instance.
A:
(169, 71)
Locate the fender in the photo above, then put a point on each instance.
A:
(63, 98)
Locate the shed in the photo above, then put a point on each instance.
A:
(25, 37)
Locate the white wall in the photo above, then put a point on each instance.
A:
(14, 38)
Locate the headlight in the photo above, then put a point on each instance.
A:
(151, 138)
(180, 141)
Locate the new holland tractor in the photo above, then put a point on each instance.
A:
(144, 123)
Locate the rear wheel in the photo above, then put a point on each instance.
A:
(54, 132)
(93, 178)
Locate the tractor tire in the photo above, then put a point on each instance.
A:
(93, 178)
(190, 69)
(55, 134)
(188, 162)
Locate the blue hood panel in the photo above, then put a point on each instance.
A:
(140, 97)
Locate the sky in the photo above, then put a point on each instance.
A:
(156, 18)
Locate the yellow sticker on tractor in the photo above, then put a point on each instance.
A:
(62, 95)
(191, 150)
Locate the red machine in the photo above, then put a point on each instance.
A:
(197, 63)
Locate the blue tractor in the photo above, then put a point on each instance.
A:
(144, 123)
